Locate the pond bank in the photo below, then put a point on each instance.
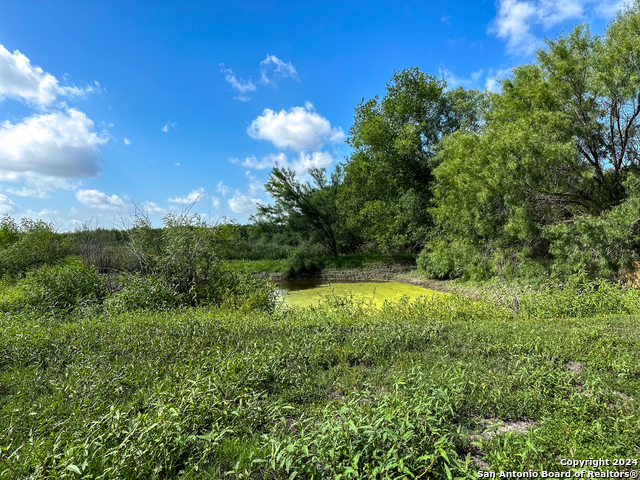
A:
(401, 273)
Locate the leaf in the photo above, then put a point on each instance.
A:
(74, 469)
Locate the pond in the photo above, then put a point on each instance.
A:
(301, 293)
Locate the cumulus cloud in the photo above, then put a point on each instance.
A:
(608, 9)
(215, 201)
(242, 87)
(127, 141)
(516, 18)
(255, 185)
(243, 204)
(34, 185)
(7, 205)
(97, 199)
(300, 164)
(223, 189)
(272, 70)
(20, 80)
(193, 197)
(152, 208)
(168, 126)
(304, 161)
(44, 213)
(59, 144)
(265, 163)
(299, 128)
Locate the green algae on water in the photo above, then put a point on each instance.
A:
(367, 292)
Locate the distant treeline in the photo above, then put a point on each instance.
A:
(113, 271)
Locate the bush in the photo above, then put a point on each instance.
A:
(244, 290)
(305, 260)
(600, 245)
(30, 245)
(60, 288)
(443, 260)
(141, 293)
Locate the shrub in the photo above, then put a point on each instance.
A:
(444, 260)
(30, 245)
(141, 293)
(246, 291)
(305, 260)
(600, 245)
(61, 288)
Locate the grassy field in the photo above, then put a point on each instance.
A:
(438, 388)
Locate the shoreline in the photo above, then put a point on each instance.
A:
(389, 273)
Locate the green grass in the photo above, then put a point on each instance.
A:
(338, 389)
(367, 292)
(256, 266)
(341, 262)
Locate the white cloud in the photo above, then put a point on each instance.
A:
(453, 81)
(45, 212)
(168, 126)
(193, 197)
(475, 76)
(127, 141)
(493, 81)
(7, 205)
(255, 185)
(516, 18)
(272, 69)
(97, 199)
(446, 19)
(305, 161)
(265, 163)
(21, 80)
(177, 164)
(60, 144)
(240, 86)
(300, 164)
(608, 9)
(223, 189)
(152, 208)
(215, 201)
(513, 23)
(298, 128)
(243, 204)
(35, 186)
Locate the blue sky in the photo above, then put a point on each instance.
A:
(163, 103)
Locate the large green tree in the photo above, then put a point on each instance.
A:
(388, 178)
(560, 144)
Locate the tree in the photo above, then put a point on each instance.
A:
(560, 144)
(388, 178)
(308, 209)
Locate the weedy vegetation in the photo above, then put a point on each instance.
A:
(336, 390)
(158, 353)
